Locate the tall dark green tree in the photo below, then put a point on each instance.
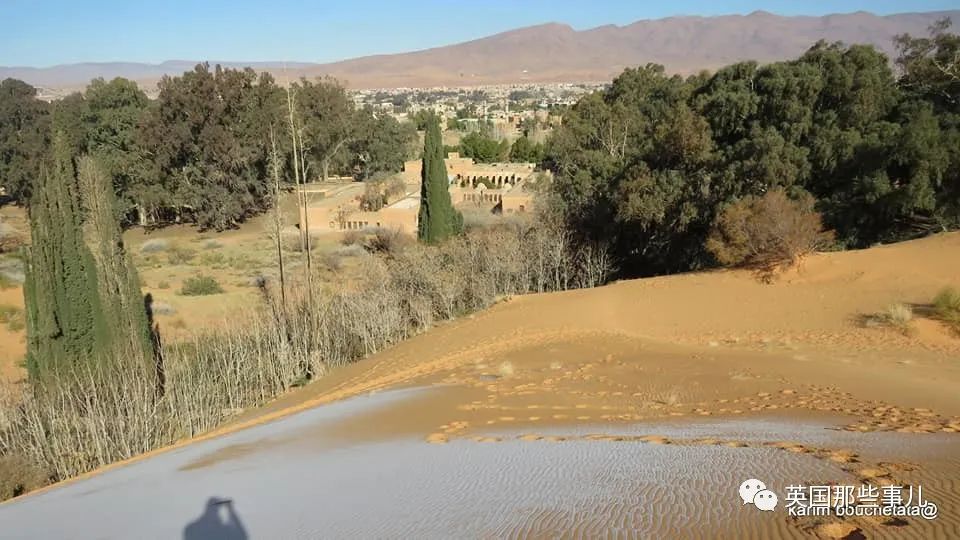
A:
(81, 291)
(438, 218)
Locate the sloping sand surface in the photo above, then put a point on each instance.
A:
(293, 479)
(647, 364)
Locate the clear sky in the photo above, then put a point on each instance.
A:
(47, 32)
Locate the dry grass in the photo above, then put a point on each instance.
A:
(767, 233)
(898, 316)
(109, 409)
(12, 316)
(946, 307)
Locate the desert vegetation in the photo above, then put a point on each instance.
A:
(946, 307)
(749, 166)
(767, 232)
(109, 409)
(198, 153)
(658, 164)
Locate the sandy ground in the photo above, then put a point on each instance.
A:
(639, 364)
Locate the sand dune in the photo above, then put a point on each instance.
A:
(692, 378)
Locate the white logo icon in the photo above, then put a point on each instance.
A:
(755, 492)
(749, 488)
(765, 500)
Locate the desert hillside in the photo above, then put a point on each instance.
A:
(554, 52)
(716, 373)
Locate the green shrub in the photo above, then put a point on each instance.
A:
(215, 259)
(163, 285)
(180, 255)
(12, 316)
(946, 307)
(200, 285)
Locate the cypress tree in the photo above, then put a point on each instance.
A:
(82, 295)
(438, 218)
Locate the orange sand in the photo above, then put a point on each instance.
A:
(717, 344)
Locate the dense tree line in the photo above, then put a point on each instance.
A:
(199, 152)
(649, 163)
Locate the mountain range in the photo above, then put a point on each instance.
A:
(553, 52)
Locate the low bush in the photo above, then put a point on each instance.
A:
(352, 238)
(154, 245)
(10, 239)
(103, 411)
(388, 241)
(768, 232)
(292, 241)
(946, 307)
(898, 316)
(12, 316)
(19, 475)
(200, 285)
(180, 255)
(214, 260)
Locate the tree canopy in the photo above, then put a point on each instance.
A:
(24, 136)
(648, 163)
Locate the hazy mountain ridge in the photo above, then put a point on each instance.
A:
(555, 52)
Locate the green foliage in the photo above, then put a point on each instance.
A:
(524, 150)
(438, 219)
(200, 285)
(484, 149)
(946, 307)
(205, 136)
(12, 316)
(650, 163)
(214, 260)
(24, 131)
(82, 294)
(422, 118)
(180, 255)
(381, 145)
(329, 124)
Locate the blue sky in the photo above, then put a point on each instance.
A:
(47, 32)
